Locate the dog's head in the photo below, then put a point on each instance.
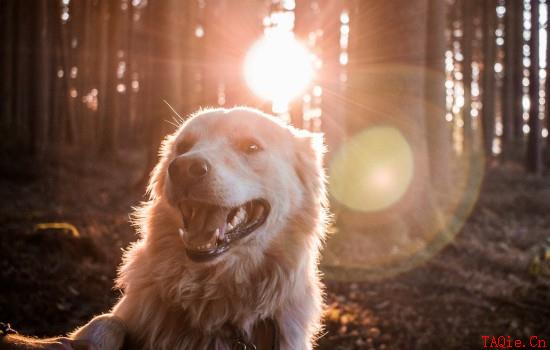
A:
(231, 176)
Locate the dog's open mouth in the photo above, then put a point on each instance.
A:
(210, 230)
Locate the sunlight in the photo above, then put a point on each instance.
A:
(278, 68)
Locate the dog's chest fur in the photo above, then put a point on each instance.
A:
(195, 310)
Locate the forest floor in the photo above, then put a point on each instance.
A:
(483, 283)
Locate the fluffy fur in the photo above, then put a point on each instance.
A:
(171, 302)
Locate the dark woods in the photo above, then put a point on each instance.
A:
(93, 75)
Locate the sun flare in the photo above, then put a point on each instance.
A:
(278, 68)
(372, 170)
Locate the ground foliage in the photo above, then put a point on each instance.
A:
(51, 281)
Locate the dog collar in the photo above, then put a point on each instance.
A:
(265, 336)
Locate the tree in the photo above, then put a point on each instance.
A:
(45, 73)
(333, 124)
(109, 12)
(534, 144)
(512, 91)
(517, 70)
(467, 51)
(8, 59)
(488, 97)
(438, 130)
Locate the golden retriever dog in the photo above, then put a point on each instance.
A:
(229, 240)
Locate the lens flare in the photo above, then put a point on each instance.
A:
(372, 170)
(278, 68)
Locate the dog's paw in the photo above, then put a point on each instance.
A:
(105, 332)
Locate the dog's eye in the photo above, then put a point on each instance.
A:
(250, 146)
(183, 146)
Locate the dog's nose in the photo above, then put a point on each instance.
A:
(185, 170)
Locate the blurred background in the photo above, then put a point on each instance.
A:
(434, 113)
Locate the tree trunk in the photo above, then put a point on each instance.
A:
(68, 61)
(510, 96)
(32, 112)
(58, 106)
(467, 51)
(517, 70)
(534, 146)
(43, 78)
(488, 92)
(547, 87)
(8, 63)
(333, 123)
(437, 128)
(86, 73)
(110, 13)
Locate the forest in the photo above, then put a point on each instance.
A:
(435, 117)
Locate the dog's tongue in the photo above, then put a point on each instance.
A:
(202, 226)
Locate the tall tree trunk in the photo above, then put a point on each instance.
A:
(103, 71)
(8, 53)
(26, 127)
(488, 92)
(133, 69)
(32, 113)
(437, 128)
(509, 91)
(123, 75)
(547, 85)
(58, 108)
(467, 51)
(534, 146)
(517, 69)
(86, 37)
(110, 11)
(333, 125)
(68, 61)
(149, 123)
(43, 78)
(210, 62)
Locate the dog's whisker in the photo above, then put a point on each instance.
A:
(172, 123)
(180, 118)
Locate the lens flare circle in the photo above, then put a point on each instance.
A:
(372, 170)
(278, 68)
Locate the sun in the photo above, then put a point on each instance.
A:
(278, 68)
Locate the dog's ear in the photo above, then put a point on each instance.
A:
(308, 164)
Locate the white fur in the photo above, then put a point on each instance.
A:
(171, 302)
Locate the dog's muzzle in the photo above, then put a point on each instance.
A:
(186, 171)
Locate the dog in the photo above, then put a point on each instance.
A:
(230, 239)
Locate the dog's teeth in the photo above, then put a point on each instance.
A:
(241, 213)
(236, 221)
(240, 216)
(204, 246)
(229, 226)
(181, 232)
